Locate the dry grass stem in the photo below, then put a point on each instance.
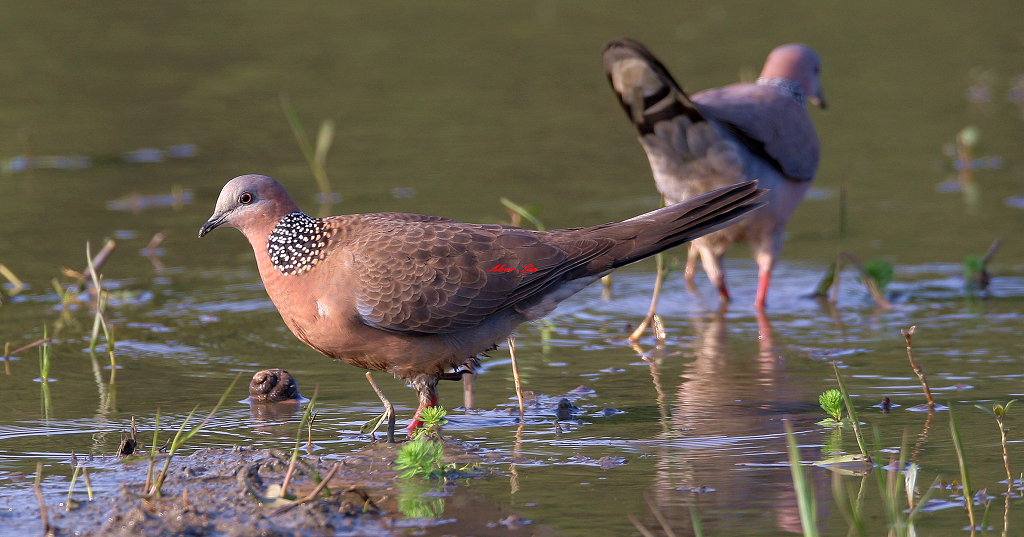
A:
(39, 496)
(313, 494)
(16, 285)
(907, 334)
(515, 377)
(88, 482)
(98, 261)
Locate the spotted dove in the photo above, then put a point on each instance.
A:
(718, 137)
(422, 296)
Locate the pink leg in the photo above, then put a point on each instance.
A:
(416, 423)
(765, 264)
(763, 279)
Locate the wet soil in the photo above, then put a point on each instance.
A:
(216, 492)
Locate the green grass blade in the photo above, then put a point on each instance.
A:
(804, 491)
(522, 211)
(965, 475)
(852, 412)
(698, 530)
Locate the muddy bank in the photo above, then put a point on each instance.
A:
(216, 492)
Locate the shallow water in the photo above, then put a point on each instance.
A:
(444, 112)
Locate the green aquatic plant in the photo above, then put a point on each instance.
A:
(415, 501)
(899, 480)
(976, 275)
(831, 402)
(181, 437)
(999, 411)
(421, 457)
(972, 268)
(45, 354)
(875, 275)
(432, 418)
(879, 271)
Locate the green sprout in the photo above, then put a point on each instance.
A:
(420, 458)
(999, 413)
(973, 267)
(432, 418)
(45, 354)
(831, 401)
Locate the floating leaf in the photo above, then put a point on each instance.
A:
(371, 426)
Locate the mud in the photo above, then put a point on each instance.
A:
(214, 492)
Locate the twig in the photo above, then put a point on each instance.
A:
(100, 259)
(515, 377)
(991, 252)
(312, 495)
(151, 251)
(288, 477)
(30, 346)
(322, 484)
(39, 496)
(917, 369)
(16, 285)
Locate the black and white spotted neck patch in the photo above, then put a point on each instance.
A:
(297, 243)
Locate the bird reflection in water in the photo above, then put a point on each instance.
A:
(729, 407)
